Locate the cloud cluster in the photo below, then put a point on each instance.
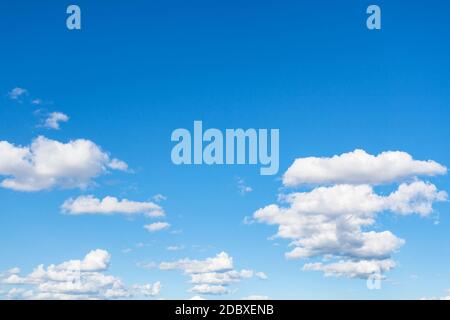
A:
(74, 279)
(213, 275)
(333, 220)
(49, 163)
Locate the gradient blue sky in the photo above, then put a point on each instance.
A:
(140, 69)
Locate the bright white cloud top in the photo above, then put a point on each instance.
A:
(212, 275)
(49, 163)
(75, 279)
(110, 205)
(359, 167)
(333, 220)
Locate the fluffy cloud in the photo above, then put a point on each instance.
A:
(54, 119)
(333, 221)
(75, 279)
(110, 205)
(48, 163)
(329, 220)
(212, 275)
(359, 167)
(157, 226)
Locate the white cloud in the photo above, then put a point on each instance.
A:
(212, 275)
(209, 289)
(148, 289)
(219, 263)
(14, 270)
(157, 226)
(110, 205)
(353, 269)
(117, 164)
(334, 221)
(54, 119)
(174, 248)
(261, 275)
(221, 278)
(76, 279)
(417, 197)
(330, 220)
(49, 163)
(359, 167)
(16, 93)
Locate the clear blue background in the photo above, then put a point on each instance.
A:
(139, 69)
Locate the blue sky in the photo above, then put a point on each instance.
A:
(137, 71)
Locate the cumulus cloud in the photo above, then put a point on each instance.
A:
(110, 205)
(76, 279)
(54, 119)
(212, 275)
(49, 163)
(333, 221)
(157, 226)
(17, 93)
(359, 167)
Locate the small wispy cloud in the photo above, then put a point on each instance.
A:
(159, 197)
(243, 187)
(54, 120)
(157, 226)
(16, 93)
(175, 248)
(147, 265)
